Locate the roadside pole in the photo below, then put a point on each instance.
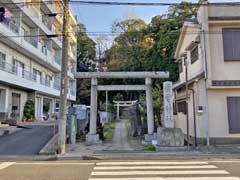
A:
(107, 106)
(64, 82)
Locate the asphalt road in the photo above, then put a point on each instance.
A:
(26, 141)
(122, 170)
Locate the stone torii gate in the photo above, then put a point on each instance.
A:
(93, 137)
(123, 104)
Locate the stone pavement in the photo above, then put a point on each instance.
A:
(121, 139)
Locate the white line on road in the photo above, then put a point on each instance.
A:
(154, 167)
(224, 161)
(53, 163)
(5, 165)
(159, 178)
(133, 173)
(151, 163)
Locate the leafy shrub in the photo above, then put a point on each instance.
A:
(29, 110)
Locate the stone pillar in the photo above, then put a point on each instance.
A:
(149, 101)
(118, 112)
(168, 120)
(92, 137)
(93, 112)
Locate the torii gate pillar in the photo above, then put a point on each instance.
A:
(149, 102)
(92, 136)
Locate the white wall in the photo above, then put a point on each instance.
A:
(221, 70)
(218, 113)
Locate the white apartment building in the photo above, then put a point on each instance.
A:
(30, 57)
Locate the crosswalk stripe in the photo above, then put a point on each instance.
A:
(131, 173)
(182, 178)
(5, 165)
(153, 167)
(150, 163)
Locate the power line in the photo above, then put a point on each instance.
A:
(113, 3)
(106, 3)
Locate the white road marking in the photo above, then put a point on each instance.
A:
(5, 165)
(154, 167)
(182, 178)
(53, 163)
(223, 161)
(131, 173)
(151, 163)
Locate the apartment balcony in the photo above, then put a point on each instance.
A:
(50, 6)
(41, 22)
(72, 94)
(28, 46)
(22, 78)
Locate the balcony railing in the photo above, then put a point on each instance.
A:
(46, 21)
(58, 60)
(32, 41)
(21, 73)
(45, 82)
(56, 84)
(11, 24)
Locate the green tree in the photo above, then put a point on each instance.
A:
(165, 31)
(118, 97)
(86, 57)
(128, 50)
(142, 47)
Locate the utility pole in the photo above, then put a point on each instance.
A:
(64, 82)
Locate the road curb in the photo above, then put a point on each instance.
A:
(50, 148)
(147, 156)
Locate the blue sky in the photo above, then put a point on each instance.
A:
(100, 18)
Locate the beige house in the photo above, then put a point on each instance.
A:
(30, 57)
(210, 49)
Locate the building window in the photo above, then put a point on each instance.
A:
(181, 107)
(194, 55)
(231, 44)
(180, 66)
(18, 67)
(2, 60)
(233, 107)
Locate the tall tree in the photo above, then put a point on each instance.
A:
(86, 57)
(141, 47)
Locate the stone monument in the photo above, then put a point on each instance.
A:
(168, 120)
(168, 135)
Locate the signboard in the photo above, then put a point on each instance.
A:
(168, 105)
(81, 112)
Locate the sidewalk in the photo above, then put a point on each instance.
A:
(81, 152)
(124, 147)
